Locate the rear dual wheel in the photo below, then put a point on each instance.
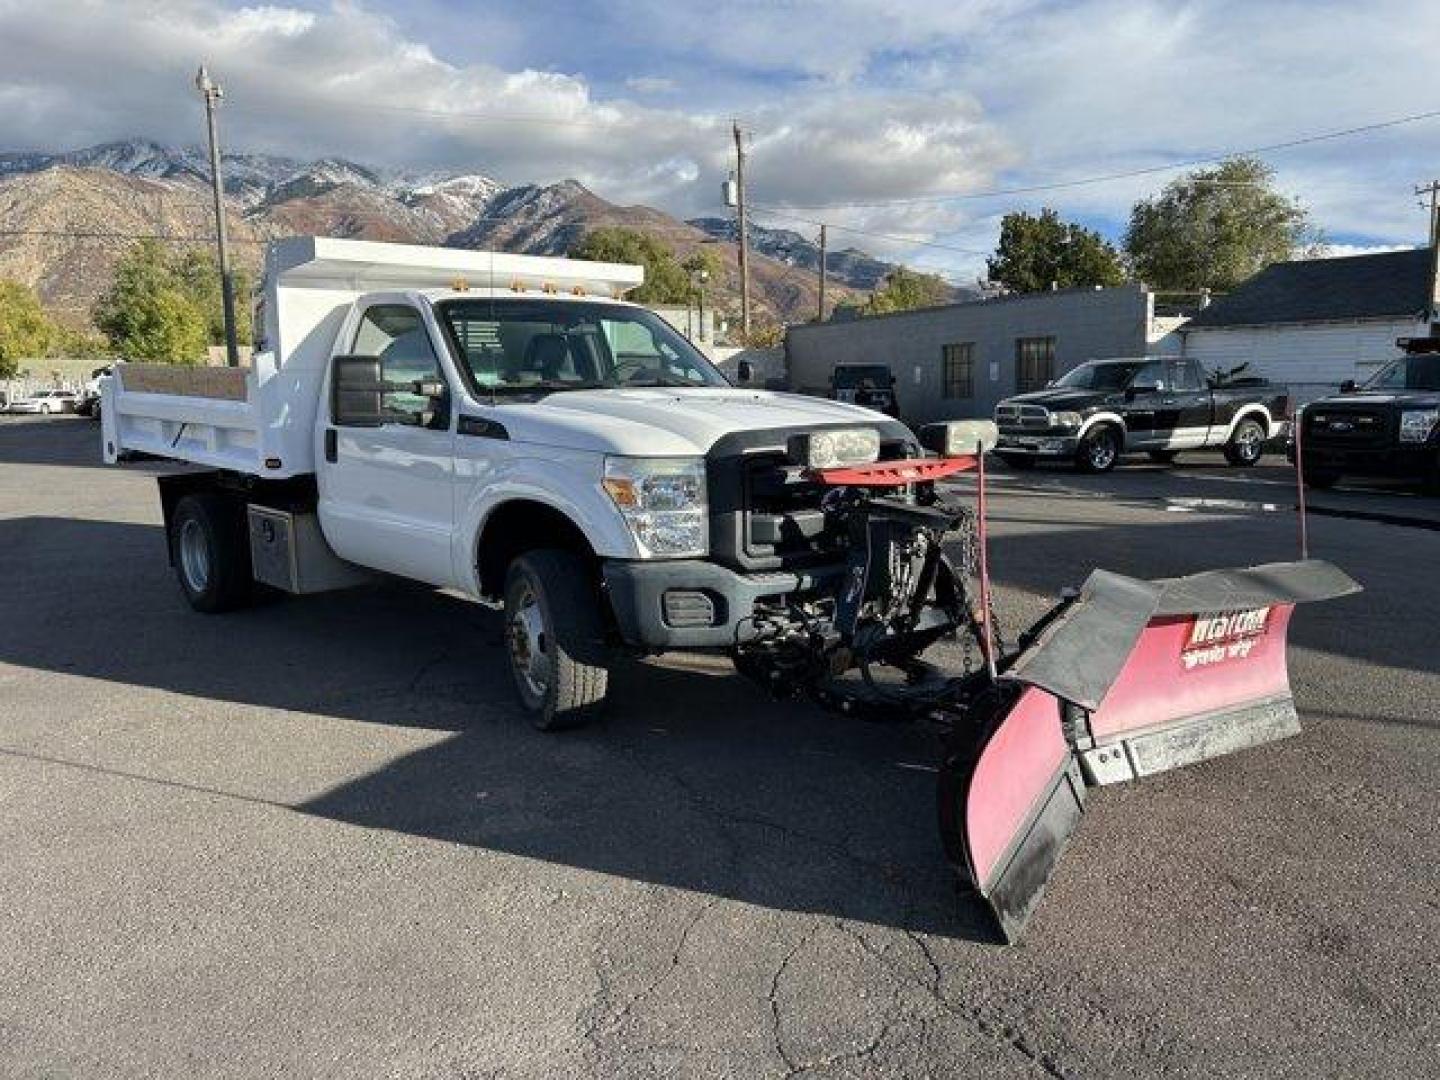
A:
(210, 548)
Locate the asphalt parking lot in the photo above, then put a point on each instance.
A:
(315, 839)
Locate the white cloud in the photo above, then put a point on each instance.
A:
(848, 100)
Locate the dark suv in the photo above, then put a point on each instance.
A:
(1389, 427)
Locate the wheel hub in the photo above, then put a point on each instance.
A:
(530, 645)
(194, 555)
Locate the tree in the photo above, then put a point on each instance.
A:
(25, 332)
(148, 314)
(666, 282)
(1038, 253)
(904, 290)
(1214, 228)
(197, 273)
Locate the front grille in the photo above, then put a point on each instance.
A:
(1022, 416)
(1347, 426)
(765, 511)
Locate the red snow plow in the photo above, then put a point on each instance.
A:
(1122, 679)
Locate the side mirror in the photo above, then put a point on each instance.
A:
(1349, 386)
(1142, 388)
(356, 390)
(745, 371)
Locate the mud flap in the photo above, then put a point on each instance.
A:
(1129, 679)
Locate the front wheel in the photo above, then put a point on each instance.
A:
(1099, 450)
(558, 657)
(1247, 443)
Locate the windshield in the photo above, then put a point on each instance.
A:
(1408, 373)
(529, 345)
(877, 375)
(1100, 376)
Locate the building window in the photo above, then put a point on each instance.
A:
(1034, 363)
(958, 362)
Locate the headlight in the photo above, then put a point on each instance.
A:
(1066, 419)
(1416, 425)
(959, 437)
(663, 501)
(835, 449)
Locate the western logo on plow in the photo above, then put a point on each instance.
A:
(1215, 639)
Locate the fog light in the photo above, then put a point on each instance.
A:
(834, 449)
(958, 437)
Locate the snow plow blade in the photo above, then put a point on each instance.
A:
(1128, 679)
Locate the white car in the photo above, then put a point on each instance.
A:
(46, 402)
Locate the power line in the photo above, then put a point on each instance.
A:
(1030, 189)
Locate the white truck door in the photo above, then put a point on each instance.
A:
(386, 483)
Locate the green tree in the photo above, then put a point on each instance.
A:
(148, 314)
(1036, 253)
(1214, 228)
(197, 272)
(666, 281)
(904, 290)
(25, 331)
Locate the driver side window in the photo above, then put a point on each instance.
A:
(396, 335)
(1149, 377)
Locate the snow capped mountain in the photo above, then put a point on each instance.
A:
(137, 187)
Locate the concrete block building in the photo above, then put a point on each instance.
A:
(959, 360)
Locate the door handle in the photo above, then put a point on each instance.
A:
(332, 445)
(1168, 401)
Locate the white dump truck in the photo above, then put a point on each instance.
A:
(511, 427)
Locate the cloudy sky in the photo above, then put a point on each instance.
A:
(870, 114)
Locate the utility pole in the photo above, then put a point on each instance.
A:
(822, 272)
(212, 94)
(744, 231)
(1433, 190)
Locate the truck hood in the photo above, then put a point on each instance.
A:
(1410, 399)
(1060, 398)
(662, 421)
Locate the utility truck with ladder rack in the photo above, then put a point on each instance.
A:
(511, 427)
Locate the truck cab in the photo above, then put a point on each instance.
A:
(507, 426)
(1390, 427)
(1159, 405)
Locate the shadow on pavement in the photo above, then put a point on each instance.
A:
(694, 780)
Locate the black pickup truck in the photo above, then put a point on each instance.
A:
(1389, 427)
(1159, 405)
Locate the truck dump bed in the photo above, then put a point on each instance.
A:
(204, 415)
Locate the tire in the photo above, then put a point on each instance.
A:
(1164, 457)
(211, 551)
(1321, 478)
(1099, 450)
(1019, 462)
(558, 658)
(1247, 444)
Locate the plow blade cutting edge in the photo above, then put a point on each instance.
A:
(1128, 679)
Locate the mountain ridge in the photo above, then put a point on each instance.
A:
(66, 217)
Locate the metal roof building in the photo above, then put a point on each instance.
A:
(1311, 324)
